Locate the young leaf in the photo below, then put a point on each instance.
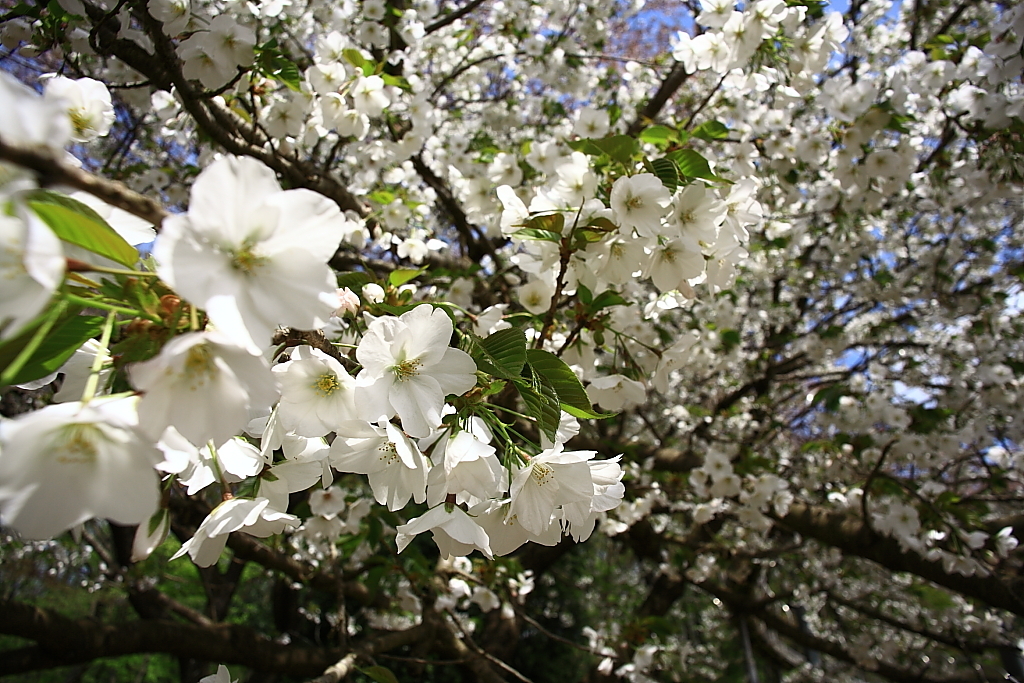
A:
(541, 404)
(506, 349)
(547, 222)
(691, 164)
(567, 387)
(68, 333)
(74, 222)
(354, 281)
(537, 234)
(620, 148)
(659, 135)
(711, 130)
(380, 674)
(667, 172)
(399, 277)
(605, 299)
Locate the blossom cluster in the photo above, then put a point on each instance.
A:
(253, 257)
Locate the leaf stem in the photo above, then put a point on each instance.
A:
(25, 354)
(101, 357)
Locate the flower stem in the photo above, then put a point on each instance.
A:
(94, 303)
(101, 357)
(25, 354)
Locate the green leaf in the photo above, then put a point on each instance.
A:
(571, 395)
(396, 81)
(382, 197)
(285, 70)
(399, 277)
(77, 223)
(692, 165)
(537, 234)
(602, 224)
(830, 396)
(381, 674)
(506, 350)
(659, 135)
(620, 148)
(354, 281)
(730, 340)
(546, 222)
(711, 131)
(667, 172)
(354, 57)
(605, 299)
(68, 333)
(541, 404)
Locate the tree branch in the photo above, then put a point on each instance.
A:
(63, 641)
(51, 171)
(851, 535)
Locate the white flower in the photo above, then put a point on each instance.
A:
(639, 202)
(550, 479)
(317, 393)
(455, 532)
(368, 95)
(470, 467)
(31, 268)
(616, 392)
(67, 463)
(212, 57)
(581, 517)
(504, 530)
(254, 256)
(203, 385)
(296, 473)
(173, 14)
(29, 120)
(222, 676)
(254, 517)
(395, 467)
(87, 103)
(592, 123)
(408, 368)
(327, 502)
(672, 266)
(535, 296)
(150, 535)
(514, 212)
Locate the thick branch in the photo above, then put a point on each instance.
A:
(793, 632)
(51, 171)
(63, 641)
(248, 548)
(851, 535)
(675, 79)
(452, 17)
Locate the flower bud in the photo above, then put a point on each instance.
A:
(373, 293)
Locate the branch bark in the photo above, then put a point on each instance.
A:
(62, 641)
(52, 171)
(851, 535)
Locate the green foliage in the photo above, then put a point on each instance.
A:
(618, 148)
(272, 63)
(74, 222)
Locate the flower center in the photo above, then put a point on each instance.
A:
(246, 260)
(635, 202)
(326, 384)
(199, 366)
(407, 369)
(76, 444)
(79, 121)
(388, 453)
(542, 474)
